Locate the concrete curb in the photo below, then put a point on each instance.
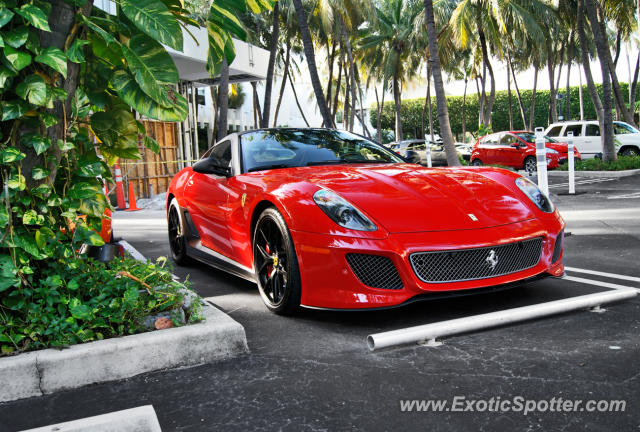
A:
(47, 371)
(140, 419)
(596, 174)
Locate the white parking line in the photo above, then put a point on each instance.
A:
(599, 283)
(582, 182)
(605, 274)
(626, 196)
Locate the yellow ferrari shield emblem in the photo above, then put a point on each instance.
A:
(275, 261)
(244, 198)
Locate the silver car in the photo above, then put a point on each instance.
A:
(416, 151)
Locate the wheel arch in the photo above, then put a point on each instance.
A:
(257, 211)
(628, 147)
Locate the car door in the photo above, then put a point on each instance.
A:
(207, 202)
(489, 152)
(438, 155)
(510, 150)
(590, 144)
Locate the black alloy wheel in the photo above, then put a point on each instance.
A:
(276, 263)
(177, 241)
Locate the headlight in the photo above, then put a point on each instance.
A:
(342, 211)
(531, 190)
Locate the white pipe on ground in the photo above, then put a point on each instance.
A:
(494, 319)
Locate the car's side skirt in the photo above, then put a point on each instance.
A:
(196, 250)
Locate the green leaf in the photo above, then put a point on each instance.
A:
(94, 206)
(39, 143)
(8, 273)
(48, 119)
(65, 145)
(80, 105)
(153, 18)
(11, 154)
(129, 91)
(30, 217)
(83, 190)
(14, 109)
(17, 181)
(17, 59)
(38, 173)
(36, 16)
(54, 58)
(42, 190)
(33, 89)
(75, 53)
(80, 311)
(88, 236)
(90, 169)
(5, 16)
(4, 217)
(5, 74)
(227, 20)
(152, 67)
(151, 144)
(28, 244)
(258, 6)
(16, 37)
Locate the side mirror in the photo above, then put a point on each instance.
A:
(515, 144)
(212, 165)
(412, 157)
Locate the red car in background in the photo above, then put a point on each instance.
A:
(326, 219)
(517, 149)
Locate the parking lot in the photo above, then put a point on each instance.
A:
(315, 372)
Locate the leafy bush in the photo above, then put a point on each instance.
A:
(81, 300)
(597, 164)
(411, 111)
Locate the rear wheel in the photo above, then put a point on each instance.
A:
(476, 162)
(276, 264)
(177, 240)
(630, 151)
(530, 164)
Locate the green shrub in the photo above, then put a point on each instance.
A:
(81, 300)
(596, 164)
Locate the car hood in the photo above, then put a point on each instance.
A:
(408, 198)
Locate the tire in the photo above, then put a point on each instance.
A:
(177, 240)
(276, 264)
(476, 162)
(530, 165)
(630, 151)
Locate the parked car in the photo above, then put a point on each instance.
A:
(517, 149)
(464, 150)
(586, 137)
(416, 151)
(322, 218)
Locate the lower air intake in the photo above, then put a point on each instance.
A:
(375, 271)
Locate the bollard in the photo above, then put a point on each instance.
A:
(541, 158)
(572, 173)
(428, 149)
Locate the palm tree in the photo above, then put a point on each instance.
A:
(441, 101)
(393, 30)
(309, 55)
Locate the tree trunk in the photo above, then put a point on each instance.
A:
(464, 106)
(553, 111)
(607, 138)
(486, 117)
(509, 93)
(362, 116)
(580, 91)
(518, 95)
(586, 64)
(398, 104)
(338, 83)
(567, 96)
(633, 87)
(532, 109)
(257, 112)
(61, 22)
(223, 95)
(331, 55)
(295, 95)
(275, 34)
(429, 73)
(426, 101)
(347, 101)
(352, 74)
(287, 59)
(311, 63)
(441, 101)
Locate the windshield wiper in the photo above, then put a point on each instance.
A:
(269, 167)
(326, 162)
(345, 161)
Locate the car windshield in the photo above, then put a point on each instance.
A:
(621, 128)
(286, 148)
(531, 137)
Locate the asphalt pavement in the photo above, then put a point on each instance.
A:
(314, 371)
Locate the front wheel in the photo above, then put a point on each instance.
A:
(276, 264)
(177, 240)
(530, 165)
(476, 162)
(631, 151)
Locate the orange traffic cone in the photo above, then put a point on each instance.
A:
(122, 205)
(132, 199)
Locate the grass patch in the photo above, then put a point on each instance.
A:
(595, 164)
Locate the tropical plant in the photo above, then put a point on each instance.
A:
(70, 76)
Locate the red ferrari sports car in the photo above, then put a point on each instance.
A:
(326, 219)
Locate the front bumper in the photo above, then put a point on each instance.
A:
(328, 280)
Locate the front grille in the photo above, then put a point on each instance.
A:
(557, 249)
(375, 271)
(479, 263)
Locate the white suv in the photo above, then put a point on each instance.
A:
(586, 137)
